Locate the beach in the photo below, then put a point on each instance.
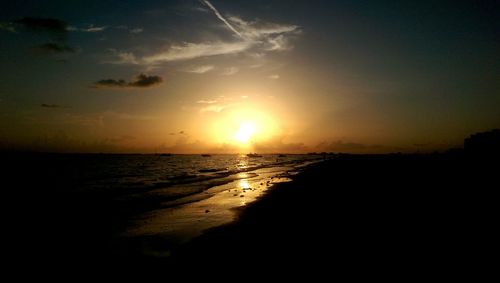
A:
(362, 215)
(353, 211)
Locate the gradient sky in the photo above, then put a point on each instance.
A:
(187, 76)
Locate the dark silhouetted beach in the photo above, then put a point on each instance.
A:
(413, 213)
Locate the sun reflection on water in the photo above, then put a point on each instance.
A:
(243, 183)
(243, 162)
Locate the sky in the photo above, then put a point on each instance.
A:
(214, 76)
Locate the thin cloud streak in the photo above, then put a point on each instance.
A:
(216, 12)
(136, 30)
(206, 101)
(259, 36)
(201, 69)
(196, 50)
(90, 28)
(214, 108)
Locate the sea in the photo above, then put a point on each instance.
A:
(136, 197)
(177, 175)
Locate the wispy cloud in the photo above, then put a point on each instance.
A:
(136, 30)
(90, 28)
(200, 69)
(278, 43)
(259, 29)
(216, 12)
(274, 77)
(55, 29)
(122, 58)
(197, 50)
(206, 101)
(257, 36)
(43, 25)
(214, 108)
(230, 71)
(141, 81)
(270, 36)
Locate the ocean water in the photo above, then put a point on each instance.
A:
(125, 174)
(171, 197)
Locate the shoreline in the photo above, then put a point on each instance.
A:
(365, 212)
(177, 222)
(347, 208)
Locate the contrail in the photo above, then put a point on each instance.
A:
(209, 5)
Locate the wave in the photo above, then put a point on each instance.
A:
(176, 185)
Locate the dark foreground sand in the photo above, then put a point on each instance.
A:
(366, 214)
(378, 214)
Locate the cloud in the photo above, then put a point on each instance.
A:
(216, 12)
(201, 69)
(141, 81)
(43, 24)
(269, 36)
(197, 50)
(55, 28)
(146, 81)
(122, 58)
(256, 36)
(230, 71)
(90, 28)
(206, 101)
(136, 30)
(278, 43)
(53, 48)
(180, 133)
(50, 105)
(274, 77)
(261, 29)
(216, 108)
(200, 9)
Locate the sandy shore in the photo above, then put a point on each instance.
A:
(369, 213)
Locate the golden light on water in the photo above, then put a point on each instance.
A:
(244, 184)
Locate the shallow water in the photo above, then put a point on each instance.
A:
(141, 200)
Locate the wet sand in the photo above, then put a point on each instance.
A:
(177, 222)
(386, 214)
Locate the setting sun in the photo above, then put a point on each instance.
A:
(245, 132)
